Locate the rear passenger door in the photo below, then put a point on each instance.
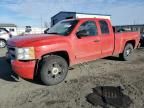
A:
(107, 38)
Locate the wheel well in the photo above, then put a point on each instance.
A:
(63, 54)
(132, 42)
(3, 39)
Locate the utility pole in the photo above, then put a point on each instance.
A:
(134, 22)
(41, 23)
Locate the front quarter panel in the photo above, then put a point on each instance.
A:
(55, 47)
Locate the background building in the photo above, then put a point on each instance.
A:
(15, 30)
(139, 28)
(10, 27)
(68, 15)
(30, 30)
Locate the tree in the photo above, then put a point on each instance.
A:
(46, 25)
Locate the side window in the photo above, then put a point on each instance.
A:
(2, 31)
(104, 27)
(12, 30)
(88, 28)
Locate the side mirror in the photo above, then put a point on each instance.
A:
(82, 33)
(45, 31)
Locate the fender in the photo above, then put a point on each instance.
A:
(133, 42)
(56, 47)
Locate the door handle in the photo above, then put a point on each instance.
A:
(96, 40)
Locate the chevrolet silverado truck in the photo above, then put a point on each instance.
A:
(69, 42)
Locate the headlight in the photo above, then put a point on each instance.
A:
(25, 53)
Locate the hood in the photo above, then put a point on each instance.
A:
(21, 41)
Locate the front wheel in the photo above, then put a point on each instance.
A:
(54, 70)
(2, 43)
(128, 50)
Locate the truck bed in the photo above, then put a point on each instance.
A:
(121, 38)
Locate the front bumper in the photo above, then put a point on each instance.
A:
(24, 69)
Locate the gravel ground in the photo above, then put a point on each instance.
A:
(78, 84)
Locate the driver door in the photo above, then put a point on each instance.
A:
(88, 44)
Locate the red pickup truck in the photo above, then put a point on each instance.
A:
(67, 43)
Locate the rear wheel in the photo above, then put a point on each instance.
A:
(128, 50)
(2, 43)
(54, 70)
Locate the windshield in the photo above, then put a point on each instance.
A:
(63, 27)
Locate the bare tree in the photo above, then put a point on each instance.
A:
(46, 25)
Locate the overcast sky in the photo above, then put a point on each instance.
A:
(29, 12)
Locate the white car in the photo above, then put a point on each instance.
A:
(4, 36)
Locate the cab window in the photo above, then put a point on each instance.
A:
(104, 27)
(88, 28)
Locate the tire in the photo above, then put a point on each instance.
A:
(128, 50)
(2, 43)
(53, 70)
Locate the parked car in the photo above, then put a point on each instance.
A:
(67, 43)
(4, 36)
(28, 29)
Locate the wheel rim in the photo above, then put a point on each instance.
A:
(128, 52)
(2, 44)
(55, 71)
